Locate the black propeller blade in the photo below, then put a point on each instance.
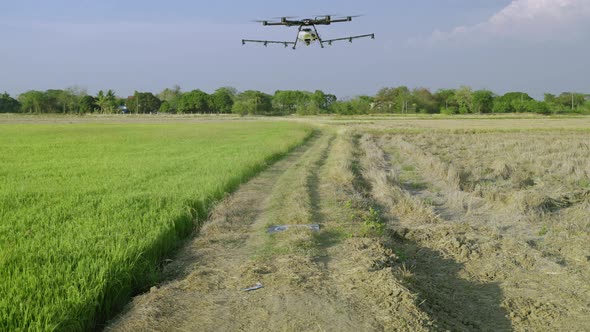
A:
(261, 21)
(347, 17)
(284, 17)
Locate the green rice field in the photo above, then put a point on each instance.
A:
(88, 211)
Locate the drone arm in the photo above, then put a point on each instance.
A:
(266, 42)
(273, 23)
(283, 22)
(346, 19)
(329, 41)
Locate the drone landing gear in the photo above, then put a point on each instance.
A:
(297, 38)
(318, 35)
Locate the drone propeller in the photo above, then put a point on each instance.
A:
(275, 18)
(261, 21)
(347, 17)
(284, 17)
(339, 16)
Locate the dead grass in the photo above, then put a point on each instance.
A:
(515, 212)
(385, 185)
(363, 266)
(498, 165)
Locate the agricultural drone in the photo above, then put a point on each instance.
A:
(307, 32)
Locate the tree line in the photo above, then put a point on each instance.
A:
(465, 100)
(402, 100)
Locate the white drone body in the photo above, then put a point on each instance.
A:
(307, 36)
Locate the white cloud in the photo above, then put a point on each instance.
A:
(528, 20)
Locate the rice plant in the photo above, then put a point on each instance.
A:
(87, 211)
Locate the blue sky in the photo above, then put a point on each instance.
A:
(504, 45)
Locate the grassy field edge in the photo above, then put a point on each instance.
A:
(146, 272)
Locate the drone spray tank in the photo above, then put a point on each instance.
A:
(307, 36)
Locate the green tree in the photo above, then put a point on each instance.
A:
(511, 96)
(32, 101)
(195, 101)
(446, 101)
(483, 101)
(329, 100)
(165, 108)
(170, 99)
(361, 104)
(570, 100)
(308, 109)
(553, 103)
(550, 98)
(262, 101)
(540, 107)
(342, 108)
(290, 101)
(221, 101)
(62, 101)
(52, 102)
(403, 99)
(393, 100)
(520, 106)
(464, 98)
(322, 100)
(424, 101)
(72, 97)
(8, 104)
(106, 101)
(143, 102)
(384, 100)
(253, 102)
(87, 104)
(230, 90)
(501, 107)
(243, 107)
(511, 102)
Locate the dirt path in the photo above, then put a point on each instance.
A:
(313, 281)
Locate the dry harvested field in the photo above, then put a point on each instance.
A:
(475, 224)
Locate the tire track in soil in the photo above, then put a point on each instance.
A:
(363, 268)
